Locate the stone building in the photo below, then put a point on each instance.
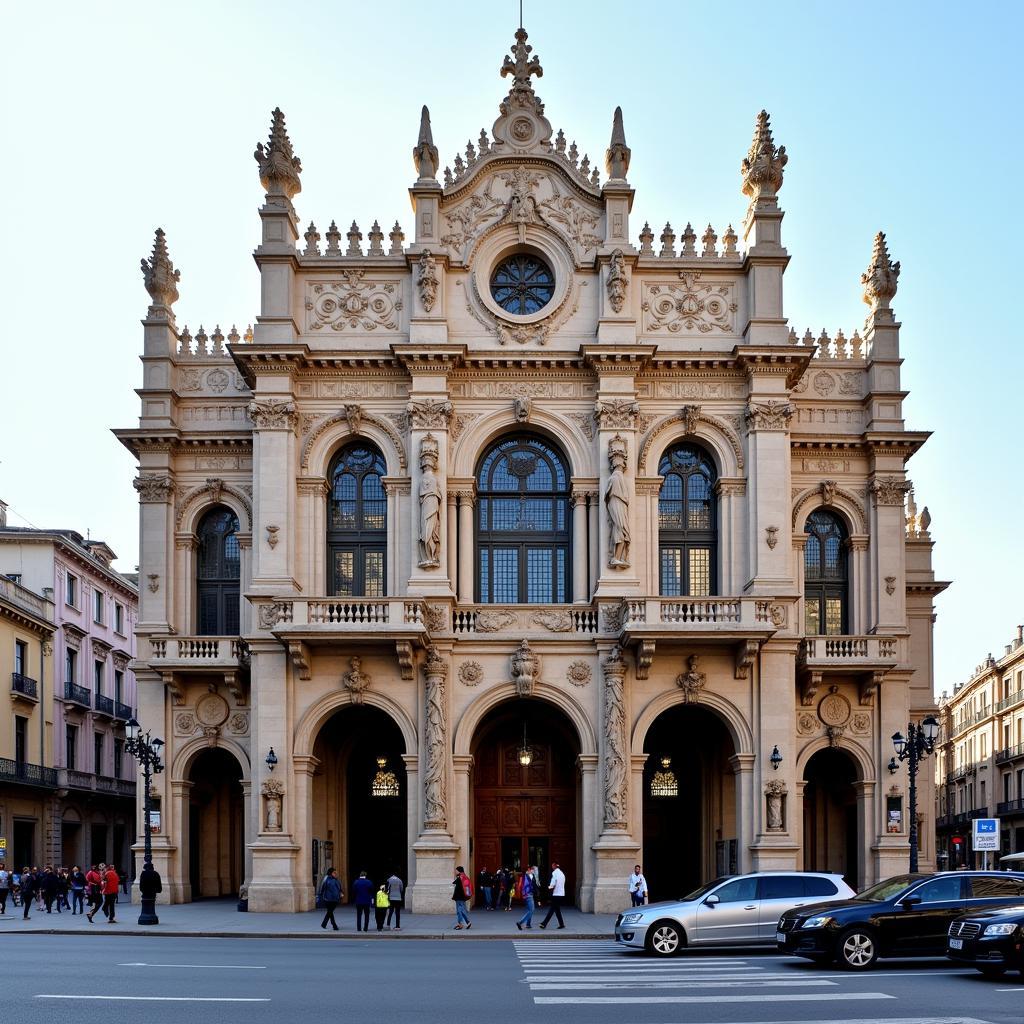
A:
(76, 704)
(979, 767)
(526, 538)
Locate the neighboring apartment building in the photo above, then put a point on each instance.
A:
(979, 769)
(89, 689)
(526, 541)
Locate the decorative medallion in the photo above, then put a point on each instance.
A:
(184, 724)
(579, 673)
(211, 710)
(834, 709)
(471, 673)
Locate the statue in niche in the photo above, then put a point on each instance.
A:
(616, 500)
(273, 797)
(431, 500)
(525, 669)
(774, 792)
(617, 281)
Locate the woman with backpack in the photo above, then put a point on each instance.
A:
(462, 890)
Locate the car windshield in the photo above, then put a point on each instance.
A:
(888, 889)
(704, 889)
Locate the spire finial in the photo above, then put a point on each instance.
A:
(524, 65)
(763, 164)
(616, 157)
(881, 277)
(279, 166)
(161, 279)
(424, 154)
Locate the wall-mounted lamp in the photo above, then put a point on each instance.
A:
(271, 759)
(776, 758)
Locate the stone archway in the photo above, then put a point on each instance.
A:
(215, 852)
(831, 822)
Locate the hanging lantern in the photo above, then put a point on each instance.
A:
(525, 751)
(385, 783)
(664, 782)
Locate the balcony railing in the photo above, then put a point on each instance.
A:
(1009, 753)
(122, 710)
(78, 694)
(1010, 807)
(970, 721)
(78, 780)
(851, 652)
(978, 812)
(125, 787)
(1011, 701)
(68, 778)
(28, 774)
(199, 652)
(103, 704)
(105, 784)
(24, 686)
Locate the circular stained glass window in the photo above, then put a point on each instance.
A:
(522, 284)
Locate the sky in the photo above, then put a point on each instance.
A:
(123, 117)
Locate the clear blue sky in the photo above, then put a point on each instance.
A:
(122, 116)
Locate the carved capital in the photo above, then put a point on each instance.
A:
(272, 414)
(154, 489)
(769, 415)
(616, 413)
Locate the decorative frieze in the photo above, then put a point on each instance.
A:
(353, 304)
(692, 307)
(429, 413)
(769, 415)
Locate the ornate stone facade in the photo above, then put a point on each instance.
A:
(523, 309)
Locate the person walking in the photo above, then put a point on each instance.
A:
(557, 888)
(48, 885)
(111, 885)
(485, 883)
(637, 887)
(528, 890)
(94, 889)
(149, 882)
(330, 897)
(5, 886)
(63, 888)
(396, 896)
(381, 902)
(462, 890)
(78, 884)
(362, 892)
(28, 888)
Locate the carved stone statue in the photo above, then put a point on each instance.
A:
(355, 680)
(435, 788)
(428, 280)
(525, 669)
(692, 681)
(828, 491)
(522, 406)
(616, 500)
(882, 276)
(616, 779)
(273, 798)
(424, 154)
(617, 281)
(431, 499)
(774, 793)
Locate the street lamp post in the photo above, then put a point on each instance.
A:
(147, 752)
(917, 745)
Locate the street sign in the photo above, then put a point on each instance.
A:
(985, 835)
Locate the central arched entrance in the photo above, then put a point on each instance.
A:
(216, 826)
(830, 814)
(526, 813)
(689, 802)
(360, 795)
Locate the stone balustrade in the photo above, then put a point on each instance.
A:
(852, 652)
(215, 652)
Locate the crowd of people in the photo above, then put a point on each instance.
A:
(62, 889)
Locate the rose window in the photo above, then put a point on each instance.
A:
(522, 284)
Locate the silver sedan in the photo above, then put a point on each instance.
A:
(739, 911)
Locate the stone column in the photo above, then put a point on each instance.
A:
(869, 826)
(462, 767)
(171, 863)
(452, 541)
(412, 811)
(748, 812)
(590, 804)
(313, 492)
(593, 542)
(580, 592)
(467, 553)
(859, 584)
(305, 768)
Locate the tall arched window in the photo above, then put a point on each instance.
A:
(825, 575)
(357, 527)
(687, 526)
(523, 523)
(218, 569)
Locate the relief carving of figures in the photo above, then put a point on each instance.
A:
(273, 799)
(612, 618)
(616, 413)
(617, 281)
(435, 784)
(355, 680)
(775, 792)
(154, 489)
(692, 681)
(436, 618)
(353, 304)
(579, 223)
(525, 669)
(769, 415)
(428, 280)
(616, 500)
(429, 413)
(272, 414)
(828, 491)
(691, 306)
(353, 414)
(467, 221)
(431, 498)
(615, 773)
(689, 416)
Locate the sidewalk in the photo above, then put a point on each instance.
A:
(220, 919)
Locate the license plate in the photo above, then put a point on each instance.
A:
(780, 936)
(956, 943)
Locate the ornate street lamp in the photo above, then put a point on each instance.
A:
(913, 748)
(147, 752)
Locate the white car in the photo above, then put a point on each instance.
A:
(742, 910)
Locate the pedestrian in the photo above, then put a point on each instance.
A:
(36, 877)
(27, 890)
(381, 902)
(460, 895)
(78, 885)
(508, 888)
(485, 883)
(396, 896)
(528, 890)
(63, 887)
(5, 886)
(94, 889)
(362, 892)
(329, 896)
(111, 885)
(149, 882)
(124, 882)
(557, 887)
(48, 886)
(637, 887)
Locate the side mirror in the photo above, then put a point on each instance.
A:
(711, 901)
(910, 901)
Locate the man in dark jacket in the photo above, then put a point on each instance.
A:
(150, 882)
(28, 890)
(49, 885)
(363, 892)
(330, 897)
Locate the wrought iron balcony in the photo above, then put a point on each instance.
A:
(1008, 807)
(1009, 753)
(27, 774)
(78, 694)
(22, 686)
(103, 705)
(68, 778)
(122, 710)
(1011, 701)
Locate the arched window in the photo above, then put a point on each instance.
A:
(357, 527)
(687, 523)
(825, 575)
(218, 570)
(523, 524)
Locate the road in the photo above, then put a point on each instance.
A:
(97, 978)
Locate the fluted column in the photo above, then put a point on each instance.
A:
(467, 554)
(593, 525)
(452, 547)
(580, 591)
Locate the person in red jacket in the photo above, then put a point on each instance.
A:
(111, 886)
(94, 891)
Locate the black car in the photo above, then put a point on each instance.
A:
(992, 941)
(908, 915)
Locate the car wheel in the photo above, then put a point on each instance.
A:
(665, 938)
(992, 971)
(858, 949)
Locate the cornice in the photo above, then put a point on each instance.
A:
(611, 359)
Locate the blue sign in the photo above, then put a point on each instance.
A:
(986, 825)
(985, 835)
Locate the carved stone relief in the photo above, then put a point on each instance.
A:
(353, 304)
(435, 781)
(616, 779)
(692, 681)
(273, 800)
(579, 673)
(356, 681)
(690, 307)
(471, 673)
(525, 669)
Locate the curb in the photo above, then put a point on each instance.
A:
(155, 930)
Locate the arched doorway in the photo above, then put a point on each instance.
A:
(216, 826)
(360, 794)
(526, 813)
(830, 815)
(689, 801)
